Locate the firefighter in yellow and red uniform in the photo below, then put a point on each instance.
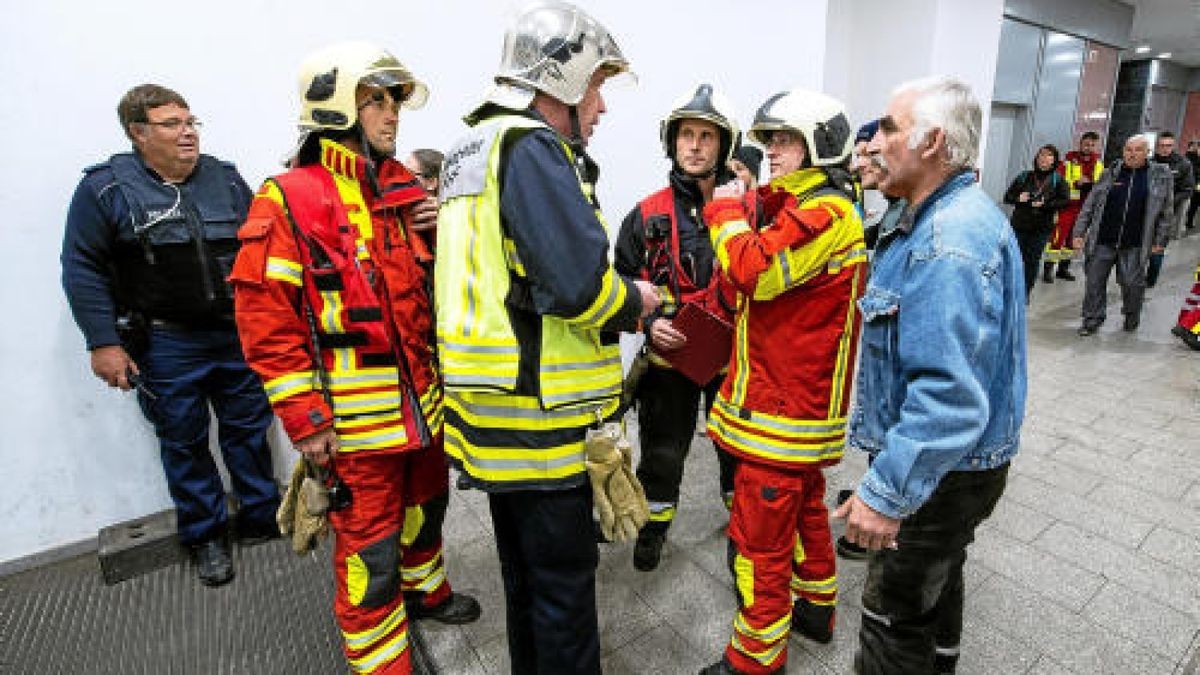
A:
(795, 252)
(334, 312)
(1081, 169)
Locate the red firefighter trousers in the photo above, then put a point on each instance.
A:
(784, 551)
(387, 541)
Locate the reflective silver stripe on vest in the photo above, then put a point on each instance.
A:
(504, 412)
(561, 367)
(471, 348)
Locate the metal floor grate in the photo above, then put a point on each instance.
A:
(274, 617)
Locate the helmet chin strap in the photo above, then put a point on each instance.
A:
(576, 140)
(369, 159)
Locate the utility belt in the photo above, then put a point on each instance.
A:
(133, 328)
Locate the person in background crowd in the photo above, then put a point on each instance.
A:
(335, 317)
(1183, 182)
(664, 241)
(1193, 155)
(150, 237)
(795, 253)
(1081, 169)
(1125, 219)
(426, 165)
(940, 395)
(1036, 195)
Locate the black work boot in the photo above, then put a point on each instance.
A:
(814, 622)
(214, 565)
(1189, 338)
(456, 609)
(1047, 273)
(647, 551)
(945, 660)
(1064, 271)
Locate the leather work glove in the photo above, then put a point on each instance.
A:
(302, 512)
(619, 498)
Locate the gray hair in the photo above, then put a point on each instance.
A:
(1144, 138)
(946, 103)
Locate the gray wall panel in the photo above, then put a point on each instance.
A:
(1106, 21)
(1168, 74)
(1058, 89)
(1017, 63)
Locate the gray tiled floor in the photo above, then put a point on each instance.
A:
(1091, 564)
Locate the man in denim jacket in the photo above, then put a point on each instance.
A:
(941, 384)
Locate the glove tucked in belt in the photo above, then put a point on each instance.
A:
(619, 498)
(302, 512)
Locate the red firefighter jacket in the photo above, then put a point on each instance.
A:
(327, 265)
(785, 399)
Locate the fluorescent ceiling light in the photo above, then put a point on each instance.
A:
(1142, 49)
(1165, 55)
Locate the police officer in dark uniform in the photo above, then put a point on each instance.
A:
(150, 238)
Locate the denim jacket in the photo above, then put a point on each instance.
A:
(941, 382)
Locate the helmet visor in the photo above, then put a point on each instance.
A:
(412, 92)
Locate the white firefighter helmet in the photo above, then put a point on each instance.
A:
(820, 119)
(702, 103)
(553, 47)
(329, 77)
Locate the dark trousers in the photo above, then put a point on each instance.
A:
(1032, 243)
(186, 371)
(1131, 276)
(1191, 216)
(548, 559)
(667, 404)
(913, 597)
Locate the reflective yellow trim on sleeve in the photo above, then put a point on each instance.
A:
(608, 302)
(721, 236)
(279, 388)
(838, 247)
(282, 269)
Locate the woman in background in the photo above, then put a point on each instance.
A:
(1036, 196)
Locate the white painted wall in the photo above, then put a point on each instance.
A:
(77, 456)
(874, 45)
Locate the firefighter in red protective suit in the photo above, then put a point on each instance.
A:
(663, 240)
(795, 253)
(334, 312)
(1187, 327)
(1081, 169)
